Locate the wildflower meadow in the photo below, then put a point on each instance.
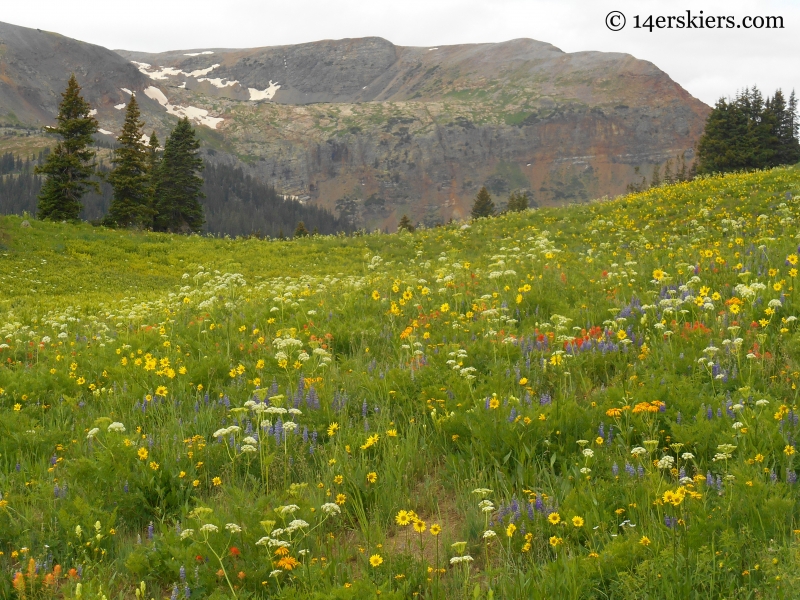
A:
(594, 401)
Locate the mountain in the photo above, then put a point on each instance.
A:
(376, 130)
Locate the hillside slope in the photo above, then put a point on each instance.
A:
(379, 129)
(560, 403)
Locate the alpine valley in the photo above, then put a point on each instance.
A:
(370, 130)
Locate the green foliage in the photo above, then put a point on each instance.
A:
(69, 167)
(749, 133)
(405, 224)
(300, 230)
(178, 185)
(131, 205)
(483, 205)
(596, 401)
(518, 201)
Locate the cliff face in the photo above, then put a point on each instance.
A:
(381, 130)
(385, 130)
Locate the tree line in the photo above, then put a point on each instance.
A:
(146, 186)
(750, 132)
(151, 189)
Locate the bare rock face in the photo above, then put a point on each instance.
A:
(379, 130)
(35, 66)
(388, 130)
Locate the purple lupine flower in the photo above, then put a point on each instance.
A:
(150, 531)
(678, 418)
(629, 469)
(182, 573)
(791, 477)
(614, 470)
(187, 593)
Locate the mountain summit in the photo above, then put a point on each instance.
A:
(376, 130)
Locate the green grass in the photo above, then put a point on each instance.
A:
(539, 375)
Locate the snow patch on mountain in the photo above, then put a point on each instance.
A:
(218, 82)
(104, 132)
(119, 106)
(266, 94)
(127, 91)
(163, 73)
(198, 53)
(196, 114)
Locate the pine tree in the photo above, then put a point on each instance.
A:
(153, 163)
(668, 177)
(518, 202)
(483, 206)
(131, 204)
(787, 148)
(680, 174)
(178, 189)
(300, 230)
(655, 178)
(405, 223)
(69, 167)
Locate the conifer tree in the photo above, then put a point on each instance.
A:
(178, 189)
(405, 223)
(131, 204)
(680, 174)
(153, 163)
(483, 206)
(300, 230)
(69, 167)
(668, 177)
(655, 178)
(518, 202)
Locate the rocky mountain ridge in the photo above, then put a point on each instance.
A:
(376, 130)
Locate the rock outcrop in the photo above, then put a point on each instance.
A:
(378, 130)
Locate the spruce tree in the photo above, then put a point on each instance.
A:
(655, 178)
(300, 230)
(153, 163)
(726, 142)
(483, 206)
(69, 167)
(179, 188)
(405, 223)
(517, 201)
(669, 179)
(680, 174)
(131, 204)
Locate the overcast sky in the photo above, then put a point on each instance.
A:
(708, 63)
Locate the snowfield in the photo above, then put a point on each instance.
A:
(266, 94)
(196, 114)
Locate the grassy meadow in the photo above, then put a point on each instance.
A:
(596, 401)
